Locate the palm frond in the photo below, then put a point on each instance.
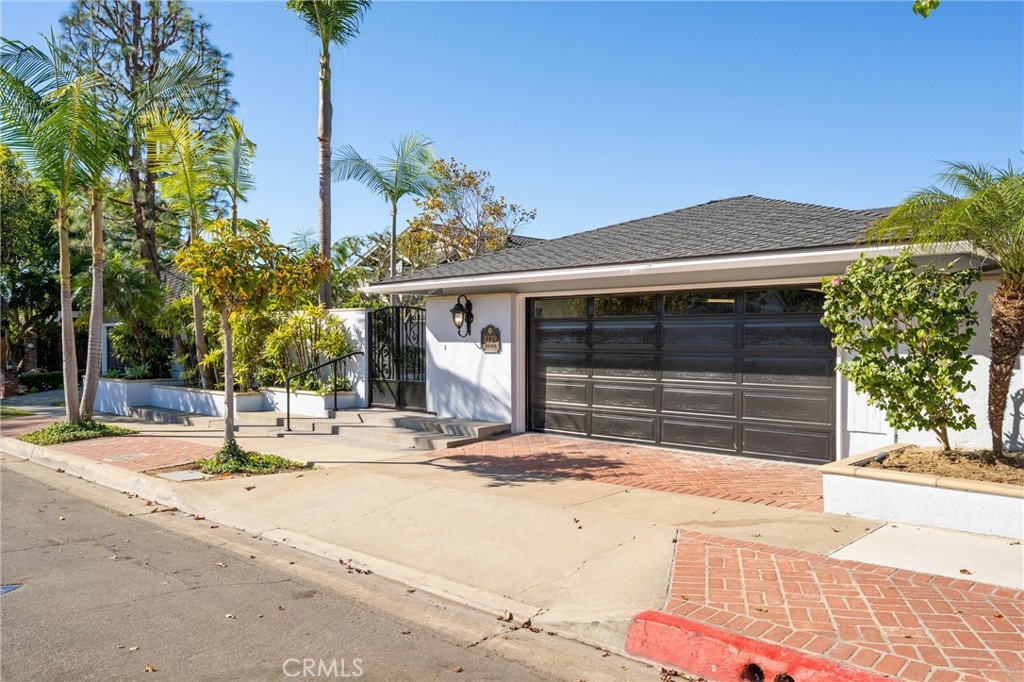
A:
(332, 21)
(232, 158)
(180, 157)
(347, 164)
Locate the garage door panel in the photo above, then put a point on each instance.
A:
(565, 421)
(700, 435)
(620, 426)
(788, 408)
(633, 335)
(698, 401)
(786, 334)
(554, 364)
(629, 397)
(560, 391)
(630, 366)
(790, 445)
(564, 334)
(788, 371)
(694, 335)
(699, 368)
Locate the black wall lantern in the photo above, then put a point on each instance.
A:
(462, 315)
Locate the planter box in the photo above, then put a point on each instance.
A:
(115, 396)
(202, 401)
(921, 499)
(309, 403)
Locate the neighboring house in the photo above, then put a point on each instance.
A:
(697, 329)
(377, 257)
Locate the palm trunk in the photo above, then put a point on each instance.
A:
(324, 138)
(197, 321)
(95, 358)
(67, 329)
(229, 380)
(394, 246)
(1007, 341)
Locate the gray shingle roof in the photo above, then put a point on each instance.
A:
(739, 225)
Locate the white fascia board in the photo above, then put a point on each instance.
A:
(689, 265)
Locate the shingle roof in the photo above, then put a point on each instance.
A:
(517, 240)
(739, 225)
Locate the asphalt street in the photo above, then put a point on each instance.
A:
(115, 589)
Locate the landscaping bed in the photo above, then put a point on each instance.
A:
(972, 465)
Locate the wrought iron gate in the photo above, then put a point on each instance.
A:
(398, 358)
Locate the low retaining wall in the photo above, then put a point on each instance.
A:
(937, 501)
(115, 396)
(201, 401)
(309, 403)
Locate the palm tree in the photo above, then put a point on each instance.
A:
(983, 207)
(182, 160)
(52, 115)
(232, 159)
(333, 22)
(406, 172)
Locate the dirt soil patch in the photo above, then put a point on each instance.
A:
(974, 465)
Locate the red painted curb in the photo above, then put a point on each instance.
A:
(719, 655)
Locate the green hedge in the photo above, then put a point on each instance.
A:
(41, 381)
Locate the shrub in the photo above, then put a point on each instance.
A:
(232, 459)
(41, 381)
(65, 432)
(302, 341)
(910, 328)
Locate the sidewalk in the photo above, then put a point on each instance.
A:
(558, 530)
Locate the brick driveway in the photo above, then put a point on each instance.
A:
(914, 626)
(776, 484)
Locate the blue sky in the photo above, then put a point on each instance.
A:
(596, 113)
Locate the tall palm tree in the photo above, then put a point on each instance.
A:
(182, 160)
(983, 207)
(333, 22)
(392, 177)
(51, 114)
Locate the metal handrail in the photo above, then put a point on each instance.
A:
(334, 368)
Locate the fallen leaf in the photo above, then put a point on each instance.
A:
(410, 590)
(252, 556)
(221, 564)
(605, 654)
(506, 617)
(259, 615)
(965, 571)
(406, 632)
(120, 646)
(280, 608)
(999, 615)
(197, 517)
(249, 487)
(214, 526)
(149, 668)
(527, 623)
(61, 518)
(762, 609)
(456, 669)
(60, 471)
(834, 529)
(228, 615)
(134, 648)
(675, 540)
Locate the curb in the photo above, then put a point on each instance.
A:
(723, 656)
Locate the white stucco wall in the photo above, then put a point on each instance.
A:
(864, 428)
(355, 323)
(463, 381)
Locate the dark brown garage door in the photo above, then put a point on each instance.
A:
(744, 372)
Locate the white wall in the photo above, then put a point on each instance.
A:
(463, 381)
(355, 324)
(864, 427)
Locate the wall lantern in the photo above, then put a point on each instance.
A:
(462, 315)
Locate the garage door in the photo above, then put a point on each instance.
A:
(743, 372)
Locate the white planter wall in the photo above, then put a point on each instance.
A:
(462, 380)
(115, 396)
(201, 401)
(354, 320)
(308, 403)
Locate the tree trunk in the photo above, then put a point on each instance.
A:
(394, 246)
(147, 246)
(229, 380)
(67, 328)
(30, 360)
(94, 360)
(1007, 341)
(197, 321)
(323, 136)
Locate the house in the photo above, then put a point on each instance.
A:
(697, 329)
(377, 256)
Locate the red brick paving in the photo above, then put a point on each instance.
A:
(19, 426)
(776, 484)
(150, 452)
(914, 626)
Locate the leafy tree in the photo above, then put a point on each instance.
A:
(982, 207)
(52, 115)
(407, 171)
(333, 22)
(910, 328)
(923, 8)
(29, 288)
(148, 55)
(464, 215)
(243, 271)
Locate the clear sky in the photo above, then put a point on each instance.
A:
(596, 113)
